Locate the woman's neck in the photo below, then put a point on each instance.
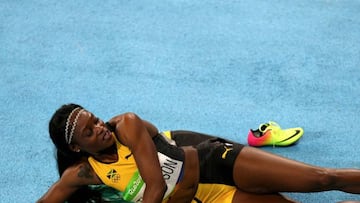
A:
(108, 155)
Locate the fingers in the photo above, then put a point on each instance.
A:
(110, 126)
(112, 123)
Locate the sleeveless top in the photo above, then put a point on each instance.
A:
(124, 176)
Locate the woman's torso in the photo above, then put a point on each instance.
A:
(179, 168)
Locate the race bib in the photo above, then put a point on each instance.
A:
(171, 170)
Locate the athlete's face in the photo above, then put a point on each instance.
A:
(91, 134)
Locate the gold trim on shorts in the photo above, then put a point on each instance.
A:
(208, 193)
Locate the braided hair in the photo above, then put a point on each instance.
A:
(66, 157)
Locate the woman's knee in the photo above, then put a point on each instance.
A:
(241, 196)
(324, 179)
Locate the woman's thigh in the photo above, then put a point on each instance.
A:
(240, 197)
(258, 171)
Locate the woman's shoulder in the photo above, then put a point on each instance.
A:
(121, 121)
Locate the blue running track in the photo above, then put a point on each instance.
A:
(218, 67)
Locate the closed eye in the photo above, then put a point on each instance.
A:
(88, 133)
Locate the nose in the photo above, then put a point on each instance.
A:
(99, 128)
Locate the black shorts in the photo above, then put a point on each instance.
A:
(217, 157)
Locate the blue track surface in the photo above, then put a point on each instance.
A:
(219, 67)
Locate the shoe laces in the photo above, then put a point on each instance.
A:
(271, 125)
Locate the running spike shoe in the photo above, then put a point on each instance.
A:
(271, 134)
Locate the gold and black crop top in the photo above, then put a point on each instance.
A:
(124, 176)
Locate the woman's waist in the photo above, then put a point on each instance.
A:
(190, 178)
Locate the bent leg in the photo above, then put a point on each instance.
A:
(188, 138)
(258, 171)
(240, 196)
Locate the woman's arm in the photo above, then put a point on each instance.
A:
(58, 193)
(150, 128)
(137, 135)
(187, 187)
(72, 179)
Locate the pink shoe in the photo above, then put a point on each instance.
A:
(271, 134)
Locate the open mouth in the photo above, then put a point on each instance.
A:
(107, 135)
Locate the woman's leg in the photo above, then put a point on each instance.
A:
(257, 171)
(188, 138)
(240, 197)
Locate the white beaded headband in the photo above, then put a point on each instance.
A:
(69, 135)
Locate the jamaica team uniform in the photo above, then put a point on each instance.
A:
(216, 158)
